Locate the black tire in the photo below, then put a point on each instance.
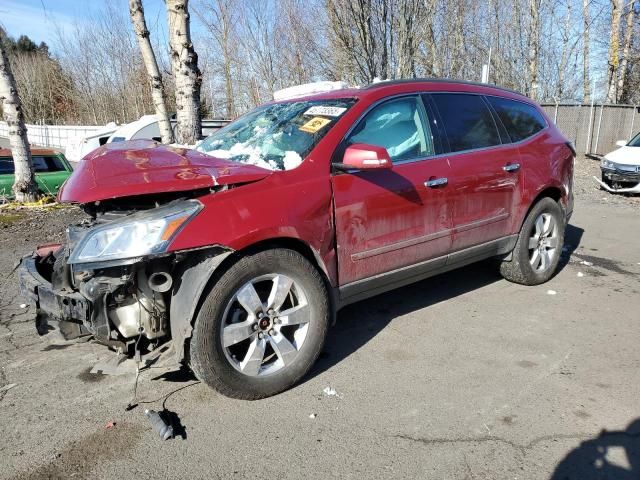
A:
(207, 355)
(519, 268)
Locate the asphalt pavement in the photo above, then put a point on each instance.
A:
(462, 376)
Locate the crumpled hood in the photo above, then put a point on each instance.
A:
(625, 155)
(142, 167)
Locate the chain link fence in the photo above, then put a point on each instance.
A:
(595, 129)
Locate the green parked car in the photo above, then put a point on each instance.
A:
(51, 168)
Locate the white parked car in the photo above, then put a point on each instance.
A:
(78, 147)
(146, 127)
(621, 168)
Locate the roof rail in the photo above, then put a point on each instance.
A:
(372, 86)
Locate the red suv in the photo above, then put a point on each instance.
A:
(235, 258)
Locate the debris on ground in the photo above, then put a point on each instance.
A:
(588, 264)
(23, 305)
(165, 431)
(110, 425)
(8, 387)
(313, 415)
(330, 392)
(551, 292)
(580, 274)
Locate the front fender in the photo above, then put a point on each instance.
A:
(191, 279)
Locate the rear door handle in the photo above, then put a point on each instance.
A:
(511, 167)
(436, 182)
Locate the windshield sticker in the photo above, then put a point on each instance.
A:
(326, 111)
(315, 124)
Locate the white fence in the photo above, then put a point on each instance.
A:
(595, 129)
(55, 136)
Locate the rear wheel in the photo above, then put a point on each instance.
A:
(537, 251)
(262, 326)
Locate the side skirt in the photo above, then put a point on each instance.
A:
(372, 286)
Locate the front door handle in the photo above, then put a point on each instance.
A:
(511, 167)
(436, 182)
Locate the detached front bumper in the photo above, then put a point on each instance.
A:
(616, 181)
(66, 310)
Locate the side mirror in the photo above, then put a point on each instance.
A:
(361, 156)
(621, 143)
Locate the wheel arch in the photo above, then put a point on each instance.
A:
(201, 271)
(552, 191)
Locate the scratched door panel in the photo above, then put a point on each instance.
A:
(388, 219)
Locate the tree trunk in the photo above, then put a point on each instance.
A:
(586, 43)
(155, 78)
(534, 47)
(614, 50)
(187, 76)
(564, 58)
(628, 35)
(24, 186)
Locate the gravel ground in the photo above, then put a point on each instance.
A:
(588, 190)
(462, 376)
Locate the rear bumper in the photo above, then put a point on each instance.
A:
(52, 308)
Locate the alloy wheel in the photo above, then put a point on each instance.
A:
(265, 324)
(543, 243)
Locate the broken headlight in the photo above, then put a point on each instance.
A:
(145, 233)
(607, 164)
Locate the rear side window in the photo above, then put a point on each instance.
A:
(467, 121)
(520, 119)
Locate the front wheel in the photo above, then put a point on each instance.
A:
(537, 251)
(262, 325)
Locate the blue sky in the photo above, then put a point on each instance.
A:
(39, 18)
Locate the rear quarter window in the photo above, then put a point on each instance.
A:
(467, 121)
(520, 119)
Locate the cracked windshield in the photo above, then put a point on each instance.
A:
(277, 136)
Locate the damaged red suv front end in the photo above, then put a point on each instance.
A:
(144, 194)
(238, 254)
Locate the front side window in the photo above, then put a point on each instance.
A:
(396, 125)
(467, 121)
(55, 164)
(520, 119)
(277, 136)
(40, 164)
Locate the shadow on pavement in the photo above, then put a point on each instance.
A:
(572, 238)
(612, 455)
(360, 322)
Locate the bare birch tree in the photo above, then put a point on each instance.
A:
(626, 51)
(613, 61)
(187, 76)
(534, 47)
(24, 186)
(586, 43)
(155, 77)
